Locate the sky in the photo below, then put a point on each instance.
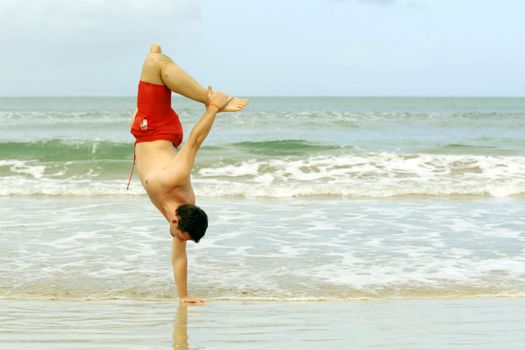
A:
(267, 47)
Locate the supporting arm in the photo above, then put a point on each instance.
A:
(180, 267)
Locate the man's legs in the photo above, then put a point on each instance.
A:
(177, 80)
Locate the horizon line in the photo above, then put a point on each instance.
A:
(282, 96)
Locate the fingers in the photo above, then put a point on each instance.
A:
(220, 99)
(210, 94)
(193, 301)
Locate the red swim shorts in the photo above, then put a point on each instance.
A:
(155, 119)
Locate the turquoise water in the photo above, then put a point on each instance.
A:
(278, 147)
(308, 198)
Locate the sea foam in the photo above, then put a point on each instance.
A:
(107, 248)
(372, 175)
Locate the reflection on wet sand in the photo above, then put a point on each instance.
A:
(180, 329)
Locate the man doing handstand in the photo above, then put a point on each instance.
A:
(164, 171)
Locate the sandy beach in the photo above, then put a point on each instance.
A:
(478, 323)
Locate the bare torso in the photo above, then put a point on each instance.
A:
(156, 163)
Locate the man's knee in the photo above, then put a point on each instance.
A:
(157, 60)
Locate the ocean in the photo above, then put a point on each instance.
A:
(335, 199)
(309, 198)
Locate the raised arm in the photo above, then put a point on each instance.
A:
(186, 157)
(199, 132)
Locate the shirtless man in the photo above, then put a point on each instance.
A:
(164, 170)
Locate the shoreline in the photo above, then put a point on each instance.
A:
(269, 300)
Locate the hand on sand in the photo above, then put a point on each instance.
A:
(217, 99)
(192, 301)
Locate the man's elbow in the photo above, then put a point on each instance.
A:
(180, 261)
(195, 142)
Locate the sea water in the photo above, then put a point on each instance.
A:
(309, 198)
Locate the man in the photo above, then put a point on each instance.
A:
(164, 171)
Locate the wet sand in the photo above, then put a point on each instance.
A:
(492, 323)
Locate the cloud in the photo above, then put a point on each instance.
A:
(379, 2)
(411, 4)
(376, 2)
(65, 23)
(89, 47)
(416, 5)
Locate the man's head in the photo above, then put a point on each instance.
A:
(190, 223)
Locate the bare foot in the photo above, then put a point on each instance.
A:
(235, 105)
(155, 48)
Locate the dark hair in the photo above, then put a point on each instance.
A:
(193, 220)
